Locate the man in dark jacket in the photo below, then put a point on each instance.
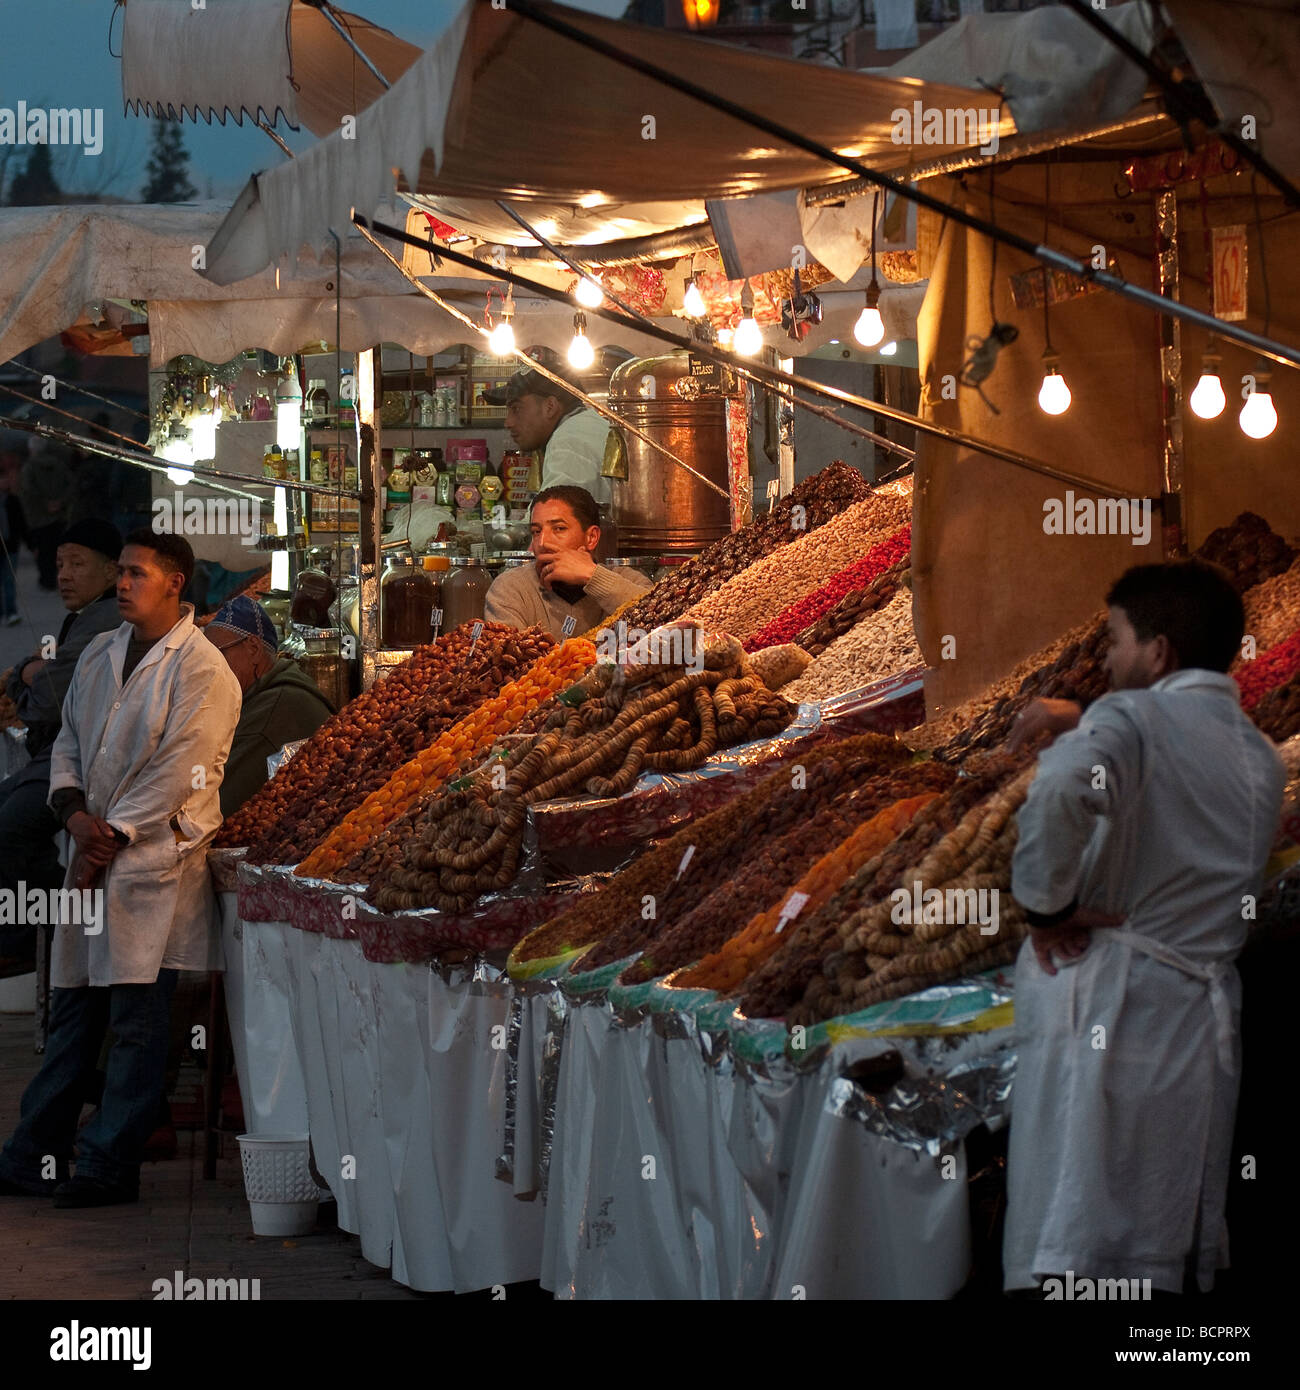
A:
(281, 703)
(87, 581)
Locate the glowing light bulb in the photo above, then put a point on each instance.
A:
(749, 337)
(502, 339)
(581, 353)
(889, 349)
(1258, 416)
(1053, 395)
(588, 293)
(1207, 398)
(870, 327)
(693, 301)
(203, 434)
(180, 476)
(288, 413)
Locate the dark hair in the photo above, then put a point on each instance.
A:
(1189, 602)
(579, 501)
(173, 552)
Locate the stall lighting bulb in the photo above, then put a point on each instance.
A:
(693, 301)
(588, 293)
(180, 476)
(1053, 394)
(581, 353)
(502, 339)
(889, 349)
(1258, 416)
(1207, 398)
(203, 434)
(870, 327)
(748, 341)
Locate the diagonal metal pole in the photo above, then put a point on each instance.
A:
(1082, 270)
(767, 374)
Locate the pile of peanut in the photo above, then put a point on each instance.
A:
(881, 645)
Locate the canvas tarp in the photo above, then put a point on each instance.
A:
(977, 520)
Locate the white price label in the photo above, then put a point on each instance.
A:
(793, 906)
(686, 859)
(476, 631)
(568, 625)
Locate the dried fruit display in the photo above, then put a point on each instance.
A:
(750, 600)
(776, 862)
(1248, 549)
(778, 666)
(727, 968)
(780, 983)
(854, 579)
(670, 879)
(357, 750)
(1278, 713)
(852, 608)
(818, 499)
(464, 741)
(1273, 608)
(882, 644)
(646, 718)
(1268, 671)
(889, 948)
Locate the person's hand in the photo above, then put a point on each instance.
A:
(1055, 716)
(95, 839)
(32, 670)
(565, 567)
(1069, 939)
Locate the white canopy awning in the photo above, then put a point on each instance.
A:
(502, 108)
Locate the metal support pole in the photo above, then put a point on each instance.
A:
(1171, 378)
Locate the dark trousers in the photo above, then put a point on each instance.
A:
(44, 540)
(112, 1143)
(27, 853)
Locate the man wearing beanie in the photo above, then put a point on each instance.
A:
(87, 581)
(281, 702)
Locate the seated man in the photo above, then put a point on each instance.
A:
(564, 581)
(281, 703)
(87, 579)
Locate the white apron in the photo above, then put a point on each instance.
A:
(1129, 1065)
(149, 757)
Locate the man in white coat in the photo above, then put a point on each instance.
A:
(135, 776)
(1142, 847)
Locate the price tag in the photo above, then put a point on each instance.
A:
(568, 625)
(435, 620)
(475, 633)
(773, 490)
(1229, 255)
(792, 907)
(686, 859)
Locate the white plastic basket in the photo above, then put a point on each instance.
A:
(282, 1194)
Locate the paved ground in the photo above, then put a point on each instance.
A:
(181, 1223)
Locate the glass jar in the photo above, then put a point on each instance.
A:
(464, 592)
(323, 661)
(407, 598)
(349, 606)
(313, 593)
(277, 604)
(437, 563)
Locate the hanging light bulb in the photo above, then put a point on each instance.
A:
(870, 327)
(1207, 399)
(288, 411)
(588, 293)
(203, 426)
(748, 340)
(581, 353)
(501, 340)
(1258, 417)
(693, 301)
(1053, 395)
(179, 476)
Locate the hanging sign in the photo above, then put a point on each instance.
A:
(1229, 248)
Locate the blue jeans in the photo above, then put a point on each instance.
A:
(112, 1143)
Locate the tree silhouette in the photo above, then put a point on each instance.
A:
(34, 185)
(168, 167)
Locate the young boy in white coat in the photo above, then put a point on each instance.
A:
(134, 778)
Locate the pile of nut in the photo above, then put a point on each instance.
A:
(1273, 608)
(881, 645)
(1249, 549)
(356, 751)
(777, 862)
(808, 506)
(752, 599)
(852, 608)
(618, 722)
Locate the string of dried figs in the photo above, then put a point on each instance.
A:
(357, 748)
(852, 792)
(675, 874)
(468, 842)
